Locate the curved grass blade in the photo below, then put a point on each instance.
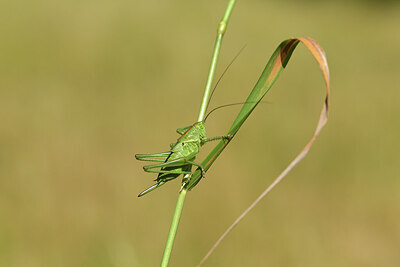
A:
(274, 67)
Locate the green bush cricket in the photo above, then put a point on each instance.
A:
(180, 159)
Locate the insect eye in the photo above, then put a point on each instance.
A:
(183, 144)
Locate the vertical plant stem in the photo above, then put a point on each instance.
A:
(220, 34)
(173, 228)
(182, 194)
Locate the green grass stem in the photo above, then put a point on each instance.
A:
(182, 194)
(220, 34)
(173, 228)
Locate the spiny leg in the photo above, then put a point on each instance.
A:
(222, 137)
(159, 183)
(181, 131)
(151, 188)
(155, 160)
(173, 163)
(156, 155)
(168, 171)
(147, 157)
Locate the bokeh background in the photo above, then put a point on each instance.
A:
(84, 85)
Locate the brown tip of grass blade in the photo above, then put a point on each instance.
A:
(280, 62)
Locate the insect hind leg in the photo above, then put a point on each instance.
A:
(158, 157)
(168, 171)
(151, 188)
(174, 163)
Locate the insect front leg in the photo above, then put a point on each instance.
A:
(181, 131)
(223, 137)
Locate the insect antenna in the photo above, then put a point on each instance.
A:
(223, 73)
(232, 104)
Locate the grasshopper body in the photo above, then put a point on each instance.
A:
(180, 158)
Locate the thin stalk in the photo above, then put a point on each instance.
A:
(174, 228)
(220, 34)
(203, 108)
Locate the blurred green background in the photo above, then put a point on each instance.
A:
(84, 85)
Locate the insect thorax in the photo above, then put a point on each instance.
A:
(201, 130)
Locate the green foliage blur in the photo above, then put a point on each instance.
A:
(84, 85)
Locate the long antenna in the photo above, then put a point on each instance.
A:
(226, 105)
(232, 104)
(223, 73)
